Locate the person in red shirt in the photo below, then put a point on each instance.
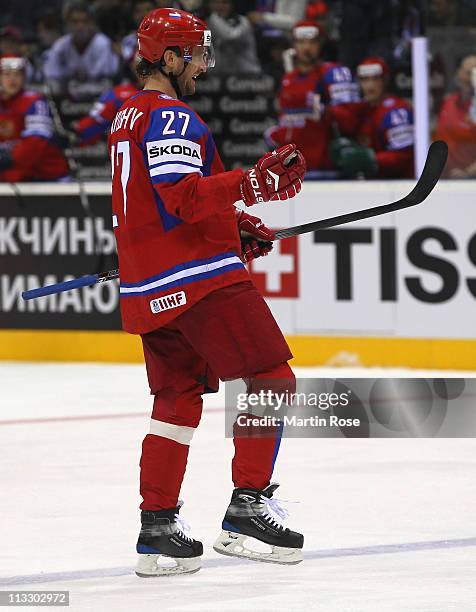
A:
(186, 291)
(315, 99)
(386, 122)
(457, 123)
(28, 151)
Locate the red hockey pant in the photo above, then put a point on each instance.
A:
(229, 334)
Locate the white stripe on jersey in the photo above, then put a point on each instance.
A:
(196, 270)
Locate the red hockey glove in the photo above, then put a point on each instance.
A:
(256, 238)
(277, 175)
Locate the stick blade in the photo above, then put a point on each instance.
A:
(434, 165)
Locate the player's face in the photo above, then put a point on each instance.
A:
(465, 71)
(187, 79)
(307, 50)
(372, 87)
(11, 82)
(80, 25)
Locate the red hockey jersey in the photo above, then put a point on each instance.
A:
(309, 106)
(173, 213)
(27, 131)
(388, 129)
(97, 123)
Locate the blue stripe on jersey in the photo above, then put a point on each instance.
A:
(185, 281)
(168, 221)
(181, 163)
(210, 151)
(277, 444)
(178, 268)
(171, 177)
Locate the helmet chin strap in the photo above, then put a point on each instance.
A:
(173, 78)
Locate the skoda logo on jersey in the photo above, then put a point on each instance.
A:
(174, 151)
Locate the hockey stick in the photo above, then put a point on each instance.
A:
(434, 165)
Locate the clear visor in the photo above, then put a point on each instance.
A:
(202, 56)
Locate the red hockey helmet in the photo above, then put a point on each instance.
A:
(166, 27)
(308, 29)
(373, 67)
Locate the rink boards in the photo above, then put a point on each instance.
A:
(398, 290)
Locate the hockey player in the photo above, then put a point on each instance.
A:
(186, 291)
(28, 151)
(91, 128)
(385, 126)
(315, 98)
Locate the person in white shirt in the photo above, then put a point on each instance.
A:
(83, 53)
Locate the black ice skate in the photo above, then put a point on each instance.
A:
(248, 518)
(161, 536)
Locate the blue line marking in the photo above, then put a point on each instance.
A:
(329, 553)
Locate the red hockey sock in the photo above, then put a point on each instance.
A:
(256, 447)
(165, 448)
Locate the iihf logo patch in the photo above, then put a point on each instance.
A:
(166, 302)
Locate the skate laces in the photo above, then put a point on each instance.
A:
(275, 506)
(183, 527)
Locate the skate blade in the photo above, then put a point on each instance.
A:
(233, 545)
(148, 566)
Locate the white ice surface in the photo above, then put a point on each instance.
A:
(69, 499)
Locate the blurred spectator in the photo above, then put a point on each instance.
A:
(27, 148)
(457, 123)
(316, 99)
(277, 14)
(84, 53)
(91, 128)
(140, 8)
(385, 131)
(233, 39)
